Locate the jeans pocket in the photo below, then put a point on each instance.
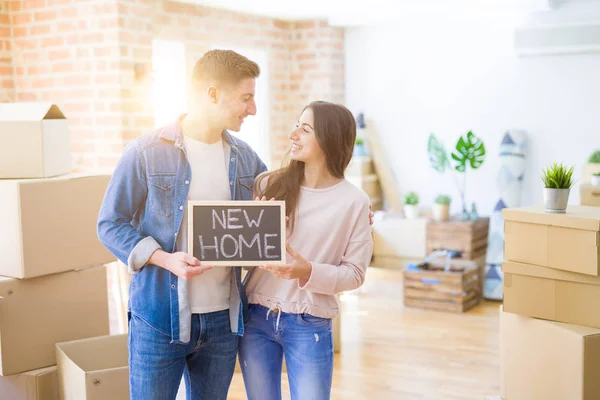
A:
(161, 192)
(142, 330)
(310, 320)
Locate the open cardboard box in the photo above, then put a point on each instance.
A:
(569, 241)
(49, 225)
(548, 360)
(93, 369)
(37, 313)
(36, 139)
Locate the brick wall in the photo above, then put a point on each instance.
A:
(6, 68)
(84, 54)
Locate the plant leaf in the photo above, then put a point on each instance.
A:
(469, 149)
(437, 154)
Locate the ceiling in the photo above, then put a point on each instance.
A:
(365, 12)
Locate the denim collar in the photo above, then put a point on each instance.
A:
(173, 133)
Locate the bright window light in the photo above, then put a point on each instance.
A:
(169, 81)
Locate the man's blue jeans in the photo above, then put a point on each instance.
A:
(207, 362)
(306, 343)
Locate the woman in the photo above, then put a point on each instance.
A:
(329, 247)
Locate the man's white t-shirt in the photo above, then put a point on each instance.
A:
(210, 291)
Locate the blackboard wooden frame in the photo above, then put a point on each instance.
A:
(233, 204)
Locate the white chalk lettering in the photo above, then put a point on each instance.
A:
(235, 243)
(254, 222)
(255, 239)
(215, 218)
(203, 247)
(267, 247)
(231, 219)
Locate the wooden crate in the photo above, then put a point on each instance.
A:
(429, 285)
(468, 237)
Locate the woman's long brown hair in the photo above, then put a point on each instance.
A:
(335, 131)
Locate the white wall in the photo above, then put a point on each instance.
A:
(451, 77)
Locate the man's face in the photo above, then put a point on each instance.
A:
(236, 103)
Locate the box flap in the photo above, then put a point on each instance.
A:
(577, 217)
(548, 273)
(24, 111)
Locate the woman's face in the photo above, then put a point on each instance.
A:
(305, 147)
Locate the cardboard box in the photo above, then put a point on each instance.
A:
(37, 139)
(396, 236)
(553, 294)
(589, 169)
(360, 166)
(548, 360)
(589, 195)
(569, 241)
(37, 313)
(93, 369)
(368, 183)
(49, 225)
(40, 384)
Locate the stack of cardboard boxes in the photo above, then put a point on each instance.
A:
(550, 323)
(53, 285)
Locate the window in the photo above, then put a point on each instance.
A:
(169, 81)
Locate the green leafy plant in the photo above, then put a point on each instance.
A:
(558, 176)
(443, 199)
(596, 174)
(595, 157)
(411, 199)
(469, 149)
(469, 152)
(359, 141)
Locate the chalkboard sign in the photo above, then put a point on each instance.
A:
(237, 233)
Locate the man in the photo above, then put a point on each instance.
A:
(184, 318)
(183, 314)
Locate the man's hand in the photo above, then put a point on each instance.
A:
(371, 214)
(299, 268)
(181, 264)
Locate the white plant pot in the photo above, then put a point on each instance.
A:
(411, 211)
(596, 180)
(556, 200)
(441, 212)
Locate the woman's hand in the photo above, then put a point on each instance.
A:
(299, 268)
(264, 198)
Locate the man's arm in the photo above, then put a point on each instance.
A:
(126, 193)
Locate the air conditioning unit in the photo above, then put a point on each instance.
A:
(568, 27)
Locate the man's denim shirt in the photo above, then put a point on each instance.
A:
(142, 211)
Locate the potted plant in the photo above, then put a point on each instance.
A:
(591, 167)
(359, 147)
(596, 179)
(441, 208)
(469, 153)
(411, 202)
(558, 179)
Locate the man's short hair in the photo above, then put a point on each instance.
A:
(224, 66)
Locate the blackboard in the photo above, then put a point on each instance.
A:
(237, 233)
